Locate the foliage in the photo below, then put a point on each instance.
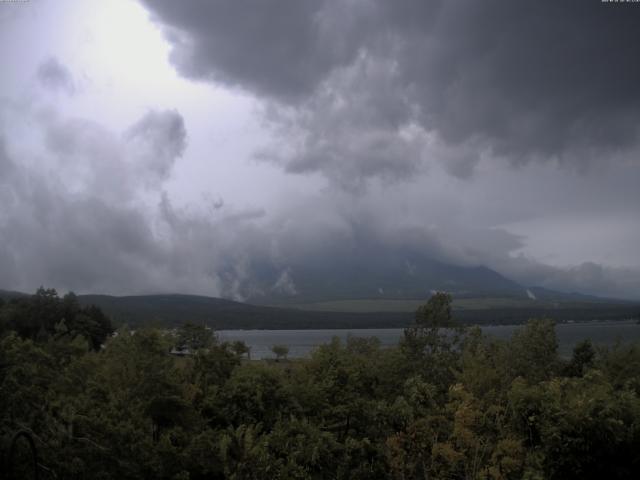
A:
(280, 351)
(447, 402)
(45, 314)
(240, 348)
(171, 311)
(194, 337)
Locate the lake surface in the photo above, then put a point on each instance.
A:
(302, 342)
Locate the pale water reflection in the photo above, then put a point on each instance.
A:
(302, 342)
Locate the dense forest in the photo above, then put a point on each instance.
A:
(446, 403)
(172, 310)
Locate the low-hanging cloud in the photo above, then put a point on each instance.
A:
(114, 166)
(358, 91)
(75, 216)
(82, 215)
(65, 224)
(587, 277)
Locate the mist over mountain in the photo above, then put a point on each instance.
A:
(187, 185)
(320, 150)
(385, 275)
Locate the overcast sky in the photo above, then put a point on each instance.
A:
(170, 146)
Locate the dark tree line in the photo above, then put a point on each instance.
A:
(446, 403)
(46, 315)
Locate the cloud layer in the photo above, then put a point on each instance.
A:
(55, 76)
(395, 136)
(364, 89)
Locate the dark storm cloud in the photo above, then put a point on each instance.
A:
(339, 130)
(277, 48)
(356, 90)
(542, 80)
(54, 76)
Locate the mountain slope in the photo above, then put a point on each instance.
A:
(8, 294)
(173, 310)
(394, 275)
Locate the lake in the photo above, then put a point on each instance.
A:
(302, 342)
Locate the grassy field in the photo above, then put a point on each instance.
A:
(410, 305)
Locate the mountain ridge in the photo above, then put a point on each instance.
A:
(169, 310)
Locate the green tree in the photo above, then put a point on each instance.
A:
(280, 351)
(534, 351)
(432, 345)
(579, 427)
(621, 365)
(436, 313)
(255, 393)
(241, 348)
(213, 367)
(446, 403)
(195, 337)
(38, 316)
(582, 359)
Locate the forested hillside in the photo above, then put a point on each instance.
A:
(446, 402)
(172, 310)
